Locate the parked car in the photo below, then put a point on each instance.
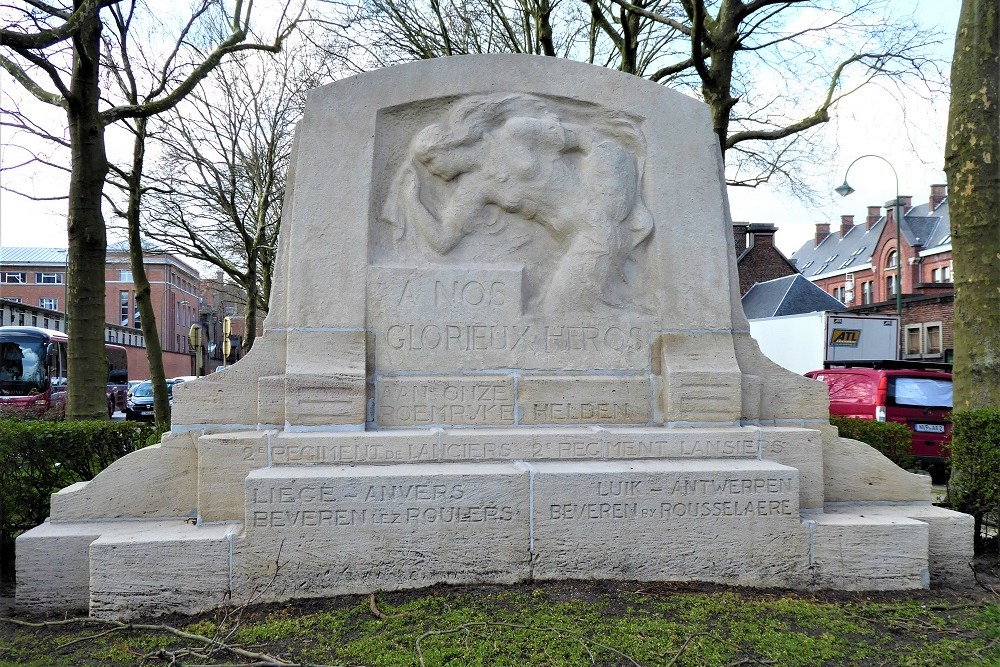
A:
(139, 404)
(915, 394)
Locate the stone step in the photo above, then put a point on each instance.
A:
(124, 569)
(867, 550)
(949, 552)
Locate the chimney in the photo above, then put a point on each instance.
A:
(938, 192)
(846, 224)
(907, 201)
(740, 236)
(822, 231)
(874, 214)
(762, 234)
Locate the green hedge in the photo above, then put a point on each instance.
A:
(894, 440)
(37, 458)
(975, 453)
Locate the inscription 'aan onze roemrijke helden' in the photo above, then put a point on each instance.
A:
(318, 506)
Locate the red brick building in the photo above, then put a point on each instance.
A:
(36, 277)
(859, 265)
(757, 258)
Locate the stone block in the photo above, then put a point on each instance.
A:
(470, 400)
(357, 529)
(868, 551)
(854, 471)
(587, 399)
(734, 521)
(317, 401)
(801, 449)
(152, 570)
(155, 482)
(223, 463)
(950, 552)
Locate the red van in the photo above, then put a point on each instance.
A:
(915, 394)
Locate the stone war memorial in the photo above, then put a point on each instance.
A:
(505, 344)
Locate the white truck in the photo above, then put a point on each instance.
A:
(802, 343)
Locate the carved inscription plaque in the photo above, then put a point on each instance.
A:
(455, 401)
(682, 510)
(353, 448)
(390, 525)
(584, 400)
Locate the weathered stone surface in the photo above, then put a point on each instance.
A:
(854, 471)
(409, 446)
(124, 585)
(801, 449)
(444, 401)
(156, 482)
(363, 528)
(949, 549)
(868, 551)
(585, 399)
(733, 521)
(224, 460)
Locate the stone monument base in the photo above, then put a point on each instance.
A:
(357, 512)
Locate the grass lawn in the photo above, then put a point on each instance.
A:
(570, 623)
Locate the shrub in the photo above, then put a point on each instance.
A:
(37, 458)
(892, 439)
(975, 452)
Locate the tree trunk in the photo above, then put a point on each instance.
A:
(87, 361)
(972, 162)
(154, 350)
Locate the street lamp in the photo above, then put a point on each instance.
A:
(845, 189)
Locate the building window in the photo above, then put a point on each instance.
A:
(914, 340)
(890, 285)
(890, 261)
(923, 340)
(13, 277)
(49, 278)
(840, 293)
(932, 339)
(123, 302)
(12, 299)
(125, 276)
(868, 292)
(48, 303)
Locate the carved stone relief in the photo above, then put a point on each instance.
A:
(496, 165)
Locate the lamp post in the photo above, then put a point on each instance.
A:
(845, 189)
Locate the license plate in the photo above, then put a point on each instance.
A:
(149, 412)
(928, 428)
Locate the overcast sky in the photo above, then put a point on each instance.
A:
(870, 122)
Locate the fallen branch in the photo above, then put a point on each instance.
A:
(377, 613)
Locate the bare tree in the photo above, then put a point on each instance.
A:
(54, 52)
(770, 70)
(972, 161)
(225, 152)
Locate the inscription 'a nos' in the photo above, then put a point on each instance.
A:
(456, 293)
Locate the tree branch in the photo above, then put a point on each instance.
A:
(45, 38)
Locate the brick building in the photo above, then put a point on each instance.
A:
(858, 264)
(36, 277)
(757, 258)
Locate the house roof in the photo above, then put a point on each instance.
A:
(790, 295)
(835, 254)
(54, 256)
